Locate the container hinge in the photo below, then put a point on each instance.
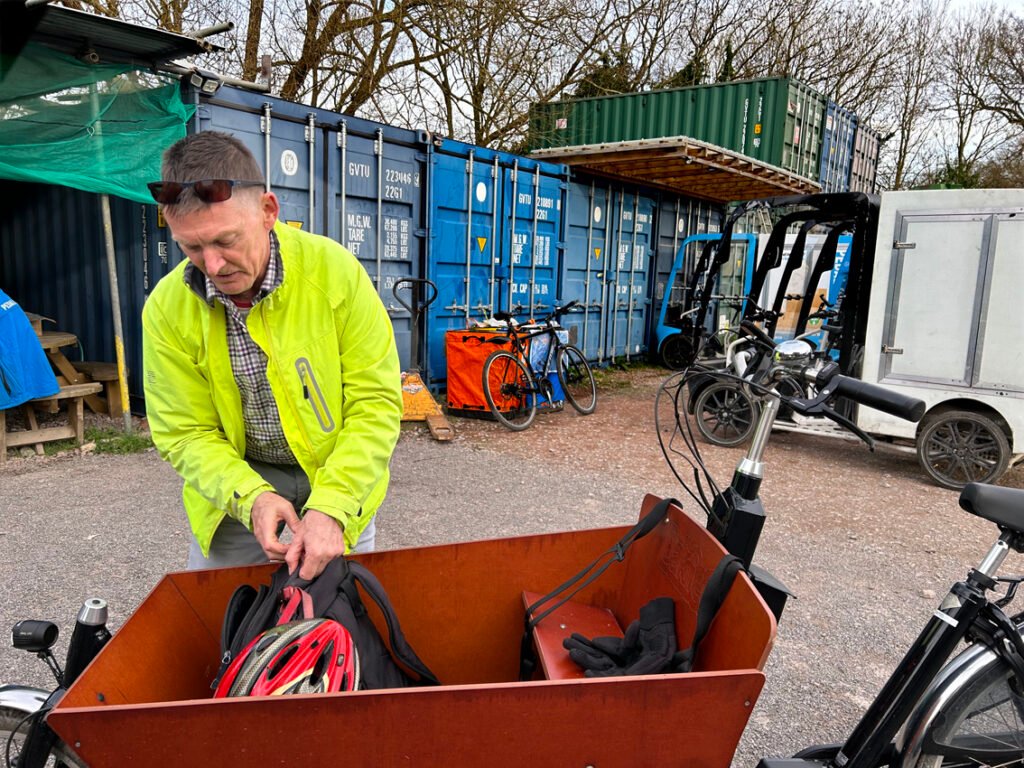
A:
(887, 350)
(898, 246)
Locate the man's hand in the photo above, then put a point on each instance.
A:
(318, 540)
(268, 512)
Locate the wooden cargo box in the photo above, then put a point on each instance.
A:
(146, 699)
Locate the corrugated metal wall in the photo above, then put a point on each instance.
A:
(53, 262)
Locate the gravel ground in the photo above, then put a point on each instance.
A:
(865, 542)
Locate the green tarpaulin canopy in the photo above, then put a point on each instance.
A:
(95, 127)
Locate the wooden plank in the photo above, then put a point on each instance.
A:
(51, 340)
(587, 620)
(44, 435)
(97, 371)
(72, 390)
(661, 720)
(33, 424)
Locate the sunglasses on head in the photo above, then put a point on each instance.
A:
(207, 190)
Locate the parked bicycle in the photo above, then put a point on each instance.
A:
(726, 410)
(934, 710)
(25, 738)
(515, 381)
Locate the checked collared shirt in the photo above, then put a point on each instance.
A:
(264, 435)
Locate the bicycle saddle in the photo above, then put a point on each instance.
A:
(1003, 506)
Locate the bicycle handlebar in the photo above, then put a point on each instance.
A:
(881, 399)
(757, 332)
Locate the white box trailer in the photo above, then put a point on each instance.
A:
(946, 325)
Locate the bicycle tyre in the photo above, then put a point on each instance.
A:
(960, 447)
(509, 390)
(980, 723)
(577, 379)
(725, 414)
(11, 722)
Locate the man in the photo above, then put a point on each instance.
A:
(271, 374)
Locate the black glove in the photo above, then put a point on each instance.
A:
(646, 648)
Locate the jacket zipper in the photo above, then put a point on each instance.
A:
(315, 397)
(291, 403)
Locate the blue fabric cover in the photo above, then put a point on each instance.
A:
(25, 373)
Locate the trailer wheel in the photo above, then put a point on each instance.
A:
(725, 414)
(960, 447)
(677, 351)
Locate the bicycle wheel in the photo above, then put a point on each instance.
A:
(509, 390)
(12, 722)
(725, 414)
(980, 724)
(577, 379)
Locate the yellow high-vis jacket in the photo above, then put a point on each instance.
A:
(333, 369)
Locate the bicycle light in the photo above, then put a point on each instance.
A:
(34, 636)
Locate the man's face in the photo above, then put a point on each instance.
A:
(229, 241)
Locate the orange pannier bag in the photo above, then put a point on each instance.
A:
(467, 351)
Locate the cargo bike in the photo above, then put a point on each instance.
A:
(145, 698)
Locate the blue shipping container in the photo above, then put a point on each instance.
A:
(609, 242)
(837, 149)
(358, 182)
(495, 223)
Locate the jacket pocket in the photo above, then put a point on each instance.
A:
(313, 395)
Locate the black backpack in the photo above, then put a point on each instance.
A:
(333, 595)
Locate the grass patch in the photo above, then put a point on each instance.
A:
(110, 440)
(613, 375)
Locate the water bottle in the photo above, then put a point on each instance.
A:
(88, 639)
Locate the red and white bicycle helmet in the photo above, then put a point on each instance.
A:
(307, 656)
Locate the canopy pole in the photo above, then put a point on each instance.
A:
(115, 310)
(115, 295)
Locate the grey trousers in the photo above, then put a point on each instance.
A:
(233, 544)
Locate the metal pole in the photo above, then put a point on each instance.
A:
(378, 150)
(115, 309)
(115, 294)
(590, 248)
(632, 264)
(512, 236)
(618, 267)
(495, 252)
(533, 241)
(343, 144)
(311, 141)
(469, 228)
(265, 127)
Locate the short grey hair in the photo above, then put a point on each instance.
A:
(208, 155)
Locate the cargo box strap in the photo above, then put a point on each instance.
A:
(617, 553)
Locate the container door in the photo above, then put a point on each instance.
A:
(464, 246)
(528, 272)
(627, 269)
(934, 306)
(583, 263)
(376, 211)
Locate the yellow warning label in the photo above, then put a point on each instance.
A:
(160, 217)
(597, 253)
(481, 243)
(757, 129)
(296, 224)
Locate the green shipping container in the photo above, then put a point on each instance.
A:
(778, 121)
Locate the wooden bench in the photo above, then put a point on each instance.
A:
(35, 435)
(548, 635)
(105, 374)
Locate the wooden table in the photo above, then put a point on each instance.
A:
(51, 342)
(75, 387)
